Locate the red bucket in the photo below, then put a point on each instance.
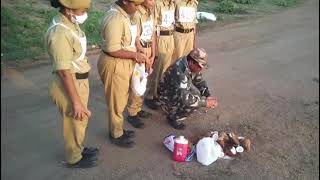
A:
(180, 150)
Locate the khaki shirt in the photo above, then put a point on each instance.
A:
(145, 22)
(186, 13)
(161, 14)
(64, 48)
(115, 31)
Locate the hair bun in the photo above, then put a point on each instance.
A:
(55, 3)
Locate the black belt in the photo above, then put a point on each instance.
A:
(181, 30)
(146, 44)
(105, 52)
(82, 75)
(166, 33)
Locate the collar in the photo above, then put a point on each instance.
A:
(142, 10)
(67, 22)
(168, 2)
(117, 7)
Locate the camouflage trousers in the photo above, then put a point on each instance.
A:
(176, 112)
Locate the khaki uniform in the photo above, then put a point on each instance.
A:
(145, 24)
(115, 73)
(186, 19)
(66, 52)
(164, 21)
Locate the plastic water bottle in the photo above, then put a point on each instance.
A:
(180, 150)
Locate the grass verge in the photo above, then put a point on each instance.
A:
(23, 25)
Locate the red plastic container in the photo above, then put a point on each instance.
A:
(180, 150)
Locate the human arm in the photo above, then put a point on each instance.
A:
(199, 82)
(79, 111)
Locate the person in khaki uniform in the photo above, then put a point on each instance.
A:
(146, 44)
(69, 87)
(185, 30)
(164, 21)
(116, 63)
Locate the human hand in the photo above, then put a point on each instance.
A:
(141, 58)
(80, 112)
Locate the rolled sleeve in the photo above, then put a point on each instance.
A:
(113, 34)
(61, 51)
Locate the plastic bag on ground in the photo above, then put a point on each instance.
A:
(139, 79)
(208, 151)
(206, 15)
(169, 142)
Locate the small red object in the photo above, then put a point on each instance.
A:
(180, 150)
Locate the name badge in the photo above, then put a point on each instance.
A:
(186, 14)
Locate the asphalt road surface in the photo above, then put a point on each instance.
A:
(264, 72)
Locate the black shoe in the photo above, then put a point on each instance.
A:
(129, 133)
(92, 156)
(135, 122)
(152, 104)
(144, 114)
(122, 141)
(90, 151)
(177, 125)
(84, 163)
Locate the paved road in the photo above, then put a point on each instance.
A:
(265, 74)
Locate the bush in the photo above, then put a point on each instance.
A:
(226, 6)
(92, 27)
(284, 3)
(245, 1)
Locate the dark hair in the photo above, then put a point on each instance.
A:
(55, 3)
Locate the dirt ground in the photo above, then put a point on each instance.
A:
(264, 72)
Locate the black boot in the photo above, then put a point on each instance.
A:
(129, 133)
(177, 124)
(135, 122)
(144, 114)
(122, 141)
(85, 162)
(152, 104)
(90, 151)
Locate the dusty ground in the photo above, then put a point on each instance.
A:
(265, 73)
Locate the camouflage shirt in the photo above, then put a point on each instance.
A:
(179, 87)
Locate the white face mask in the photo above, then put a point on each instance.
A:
(79, 19)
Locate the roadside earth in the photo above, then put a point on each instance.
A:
(264, 73)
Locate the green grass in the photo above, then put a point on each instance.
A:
(23, 36)
(24, 23)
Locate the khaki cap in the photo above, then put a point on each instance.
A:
(200, 56)
(76, 4)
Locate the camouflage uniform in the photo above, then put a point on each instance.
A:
(181, 92)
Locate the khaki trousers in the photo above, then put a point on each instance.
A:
(136, 102)
(183, 44)
(165, 47)
(115, 75)
(73, 130)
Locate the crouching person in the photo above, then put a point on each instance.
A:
(183, 90)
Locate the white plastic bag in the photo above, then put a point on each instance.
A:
(139, 79)
(206, 15)
(169, 141)
(208, 151)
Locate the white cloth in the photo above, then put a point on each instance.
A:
(167, 18)
(187, 14)
(147, 30)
